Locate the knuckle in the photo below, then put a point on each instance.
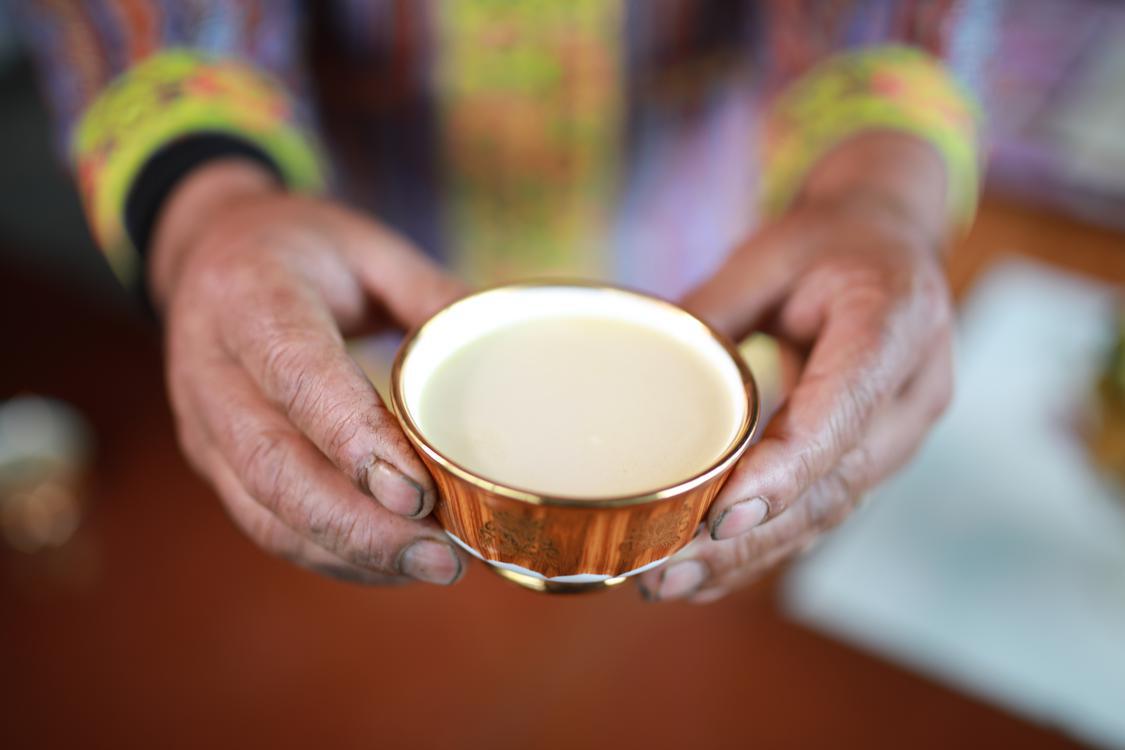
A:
(264, 468)
(350, 436)
(330, 525)
(753, 571)
(841, 425)
(338, 419)
(346, 532)
(797, 458)
(291, 375)
(870, 287)
(855, 471)
(750, 549)
(804, 474)
(863, 396)
(837, 494)
(790, 484)
(277, 539)
(884, 348)
(344, 437)
(737, 555)
(820, 502)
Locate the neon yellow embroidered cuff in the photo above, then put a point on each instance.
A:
(881, 88)
(175, 94)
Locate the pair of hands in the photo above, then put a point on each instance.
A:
(259, 287)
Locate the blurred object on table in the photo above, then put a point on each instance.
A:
(1106, 431)
(1056, 114)
(45, 452)
(996, 561)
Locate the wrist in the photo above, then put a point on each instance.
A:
(898, 176)
(198, 199)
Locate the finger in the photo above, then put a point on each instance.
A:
(288, 477)
(708, 559)
(705, 563)
(714, 567)
(864, 351)
(896, 436)
(261, 526)
(268, 532)
(394, 272)
(716, 588)
(895, 433)
(772, 258)
(288, 342)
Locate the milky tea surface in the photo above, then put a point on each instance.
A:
(580, 407)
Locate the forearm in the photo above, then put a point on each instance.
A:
(885, 122)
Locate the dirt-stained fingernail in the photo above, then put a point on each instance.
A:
(431, 561)
(682, 579)
(394, 490)
(740, 518)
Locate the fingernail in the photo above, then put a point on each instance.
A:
(396, 492)
(431, 561)
(740, 518)
(682, 579)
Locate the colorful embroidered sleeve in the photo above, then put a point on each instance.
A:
(127, 80)
(169, 96)
(837, 69)
(882, 88)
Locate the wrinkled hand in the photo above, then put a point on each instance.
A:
(257, 286)
(861, 291)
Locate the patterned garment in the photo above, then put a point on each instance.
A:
(597, 138)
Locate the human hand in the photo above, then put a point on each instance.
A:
(257, 287)
(852, 277)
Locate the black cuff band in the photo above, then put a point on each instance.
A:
(161, 173)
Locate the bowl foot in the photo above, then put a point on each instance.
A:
(556, 587)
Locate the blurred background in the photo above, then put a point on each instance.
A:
(978, 600)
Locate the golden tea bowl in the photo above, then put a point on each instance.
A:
(551, 543)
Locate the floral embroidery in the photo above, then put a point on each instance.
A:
(166, 97)
(897, 88)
